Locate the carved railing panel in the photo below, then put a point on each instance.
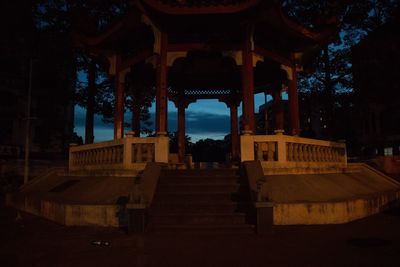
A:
(143, 152)
(266, 151)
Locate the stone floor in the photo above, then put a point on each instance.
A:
(32, 241)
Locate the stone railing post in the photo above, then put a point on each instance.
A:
(281, 150)
(128, 144)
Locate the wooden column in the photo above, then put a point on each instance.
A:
(181, 131)
(278, 110)
(89, 122)
(294, 104)
(136, 115)
(234, 131)
(161, 91)
(119, 105)
(248, 87)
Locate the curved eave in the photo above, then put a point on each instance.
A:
(203, 10)
(111, 33)
(323, 36)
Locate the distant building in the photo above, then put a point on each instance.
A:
(376, 69)
(312, 118)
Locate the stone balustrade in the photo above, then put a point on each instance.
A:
(299, 152)
(290, 152)
(129, 153)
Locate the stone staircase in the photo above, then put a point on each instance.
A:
(197, 201)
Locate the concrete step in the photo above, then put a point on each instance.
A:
(201, 197)
(201, 229)
(196, 218)
(197, 188)
(201, 173)
(184, 208)
(199, 201)
(198, 180)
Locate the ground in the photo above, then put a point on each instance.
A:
(32, 241)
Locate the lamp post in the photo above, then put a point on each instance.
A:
(28, 124)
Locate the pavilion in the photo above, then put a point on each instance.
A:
(207, 49)
(225, 50)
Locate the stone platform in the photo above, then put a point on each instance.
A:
(75, 200)
(355, 192)
(328, 198)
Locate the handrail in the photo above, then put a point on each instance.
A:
(292, 151)
(129, 153)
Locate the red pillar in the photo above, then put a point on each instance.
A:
(294, 104)
(181, 131)
(248, 87)
(234, 131)
(136, 115)
(278, 110)
(119, 106)
(161, 91)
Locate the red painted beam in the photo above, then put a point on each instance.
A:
(199, 10)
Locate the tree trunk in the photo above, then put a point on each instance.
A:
(329, 94)
(89, 137)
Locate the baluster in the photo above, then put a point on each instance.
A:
(289, 152)
(317, 153)
(96, 156)
(322, 153)
(312, 151)
(119, 154)
(109, 155)
(295, 152)
(119, 150)
(306, 156)
(91, 156)
(112, 158)
(335, 155)
(150, 154)
(308, 153)
(328, 154)
(134, 153)
(299, 153)
(303, 152)
(258, 151)
(331, 159)
(102, 155)
(106, 153)
(139, 152)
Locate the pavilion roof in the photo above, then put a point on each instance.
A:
(210, 25)
(213, 15)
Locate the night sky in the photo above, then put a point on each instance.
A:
(204, 119)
